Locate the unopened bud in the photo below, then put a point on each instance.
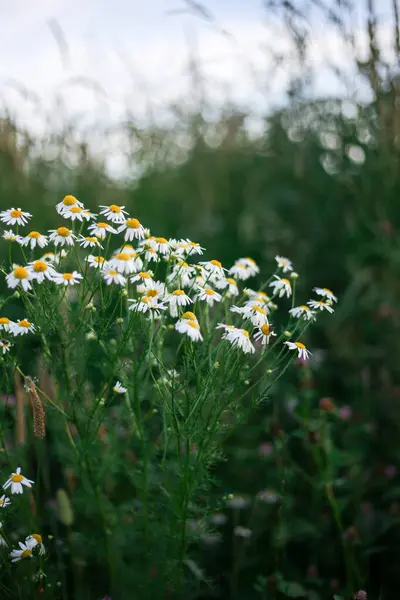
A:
(294, 275)
(269, 371)
(90, 306)
(16, 294)
(119, 321)
(124, 292)
(171, 327)
(287, 334)
(91, 336)
(216, 364)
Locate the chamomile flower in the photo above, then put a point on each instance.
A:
(187, 248)
(281, 286)
(257, 314)
(186, 316)
(320, 305)
(6, 324)
(5, 346)
(147, 304)
(19, 276)
(240, 271)
(230, 283)
(284, 263)
(4, 501)
(23, 327)
(190, 328)
(35, 541)
(214, 269)
(209, 296)
(23, 552)
(239, 338)
(89, 242)
(100, 230)
(302, 351)
(160, 245)
(182, 273)
(264, 334)
(41, 270)
(111, 276)
(10, 236)
(156, 290)
(67, 279)
(149, 253)
(325, 293)
(16, 481)
(119, 388)
(76, 213)
(62, 236)
(50, 257)
(144, 278)
(67, 203)
(123, 262)
(133, 230)
(114, 213)
(175, 299)
(14, 216)
(33, 239)
(302, 312)
(97, 262)
(251, 265)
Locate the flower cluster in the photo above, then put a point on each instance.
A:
(189, 293)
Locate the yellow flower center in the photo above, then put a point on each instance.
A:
(189, 316)
(262, 294)
(114, 208)
(152, 293)
(133, 224)
(123, 256)
(216, 263)
(286, 281)
(5, 344)
(15, 214)
(37, 537)
(4, 321)
(231, 281)
(161, 240)
(24, 323)
(20, 273)
(99, 259)
(68, 276)
(178, 293)
(145, 299)
(102, 225)
(26, 553)
(245, 332)
(259, 309)
(210, 292)
(112, 272)
(16, 478)
(300, 345)
(304, 307)
(194, 244)
(34, 235)
(39, 266)
(63, 231)
(92, 240)
(182, 264)
(193, 324)
(76, 209)
(144, 275)
(69, 200)
(48, 255)
(266, 329)
(328, 291)
(250, 260)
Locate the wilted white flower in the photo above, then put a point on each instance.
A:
(284, 263)
(16, 481)
(238, 338)
(119, 388)
(281, 285)
(35, 541)
(302, 351)
(10, 236)
(325, 293)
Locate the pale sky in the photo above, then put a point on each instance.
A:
(133, 54)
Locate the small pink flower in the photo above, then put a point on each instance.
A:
(345, 413)
(265, 449)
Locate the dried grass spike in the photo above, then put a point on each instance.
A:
(39, 416)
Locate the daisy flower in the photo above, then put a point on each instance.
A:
(67, 203)
(16, 481)
(284, 263)
(133, 230)
(67, 279)
(302, 311)
(100, 230)
(23, 327)
(186, 316)
(257, 314)
(35, 541)
(41, 270)
(10, 236)
(5, 346)
(240, 270)
(62, 236)
(77, 213)
(320, 305)
(23, 552)
(33, 239)
(119, 388)
(143, 277)
(214, 269)
(157, 289)
(123, 262)
(111, 276)
(114, 213)
(89, 242)
(160, 245)
(187, 247)
(50, 257)
(239, 338)
(190, 328)
(325, 293)
(4, 501)
(209, 296)
(229, 283)
(282, 286)
(14, 216)
(97, 262)
(150, 253)
(264, 333)
(147, 304)
(302, 351)
(6, 324)
(182, 273)
(175, 299)
(20, 276)
(251, 265)
(128, 249)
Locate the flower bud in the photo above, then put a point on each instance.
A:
(294, 275)
(287, 334)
